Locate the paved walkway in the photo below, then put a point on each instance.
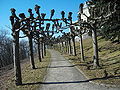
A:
(63, 76)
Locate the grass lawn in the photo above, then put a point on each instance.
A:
(109, 57)
(32, 76)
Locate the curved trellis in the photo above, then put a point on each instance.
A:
(101, 14)
(33, 28)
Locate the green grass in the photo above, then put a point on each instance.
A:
(30, 75)
(109, 57)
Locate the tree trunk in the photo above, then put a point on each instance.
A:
(42, 54)
(31, 53)
(66, 46)
(44, 48)
(62, 46)
(17, 67)
(69, 45)
(1, 60)
(59, 46)
(74, 48)
(39, 54)
(81, 48)
(95, 47)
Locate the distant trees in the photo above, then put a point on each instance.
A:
(107, 14)
(24, 52)
(6, 49)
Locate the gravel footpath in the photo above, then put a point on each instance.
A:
(62, 75)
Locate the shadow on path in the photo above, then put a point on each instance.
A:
(62, 60)
(68, 82)
(62, 66)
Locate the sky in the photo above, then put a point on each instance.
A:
(22, 6)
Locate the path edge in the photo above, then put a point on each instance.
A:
(106, 85)
(47, 69)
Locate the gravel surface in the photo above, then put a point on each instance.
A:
(62, 75)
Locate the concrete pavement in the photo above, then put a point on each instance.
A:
(62, 75)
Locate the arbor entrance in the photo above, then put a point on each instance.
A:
(42, 32)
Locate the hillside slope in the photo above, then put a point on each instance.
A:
(109, 57)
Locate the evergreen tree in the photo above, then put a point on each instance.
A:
(107, 15)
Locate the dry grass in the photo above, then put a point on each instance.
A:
(28, 75)
(109, 57)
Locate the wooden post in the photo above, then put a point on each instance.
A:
(95, 47)
(17, 67)
(73, 45)
(31, 52)
(81, 48)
